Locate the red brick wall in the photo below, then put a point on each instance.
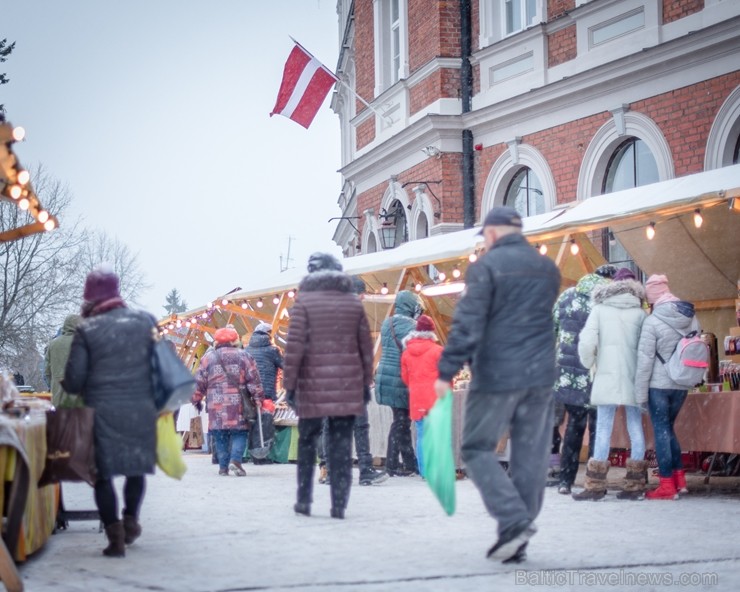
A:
(557, 8)
(685, 117)
(444, 83)
(677, 9)
(364, 53)
(475, 24)
(561, 46)
(434, 31)
(365, 133)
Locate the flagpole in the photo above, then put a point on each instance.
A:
(347, 86)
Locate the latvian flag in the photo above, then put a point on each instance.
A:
(306, 82)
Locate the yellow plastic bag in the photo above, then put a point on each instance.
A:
(169, 447)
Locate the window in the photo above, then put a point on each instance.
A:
(736, 155)
(525, 193)
(390, 46)
(518, 15)
(422, 227)
(631, 165)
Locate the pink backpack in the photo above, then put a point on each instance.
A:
(689, 360)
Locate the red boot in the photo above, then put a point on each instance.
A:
(665, 491)
(679, 480)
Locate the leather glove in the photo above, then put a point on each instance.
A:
(366, 395)
(290, 399)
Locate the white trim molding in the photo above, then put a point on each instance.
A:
(422, 207)
(507, 166)
(601, 148)
(723, 135)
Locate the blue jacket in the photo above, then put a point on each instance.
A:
(503, 323)
(389, 388)
(268, 359)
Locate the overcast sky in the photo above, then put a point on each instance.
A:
(155, 113)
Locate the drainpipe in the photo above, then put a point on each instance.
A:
(466, 90)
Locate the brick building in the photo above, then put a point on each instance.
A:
(467, 104)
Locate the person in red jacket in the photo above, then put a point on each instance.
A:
(419, 372)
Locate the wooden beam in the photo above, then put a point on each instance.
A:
(714, 304)
(432, 309)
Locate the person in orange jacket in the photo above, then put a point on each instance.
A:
(419, 372)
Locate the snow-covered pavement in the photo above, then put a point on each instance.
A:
(215, 534)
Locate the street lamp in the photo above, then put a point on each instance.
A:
(388, 228)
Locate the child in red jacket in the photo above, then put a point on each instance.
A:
(419, 372)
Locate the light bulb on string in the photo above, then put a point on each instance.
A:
(473, 257)
(204, 315)
(188, 324)
(650, 231)
(245, 305)
(384, 289)
(50, 224)
(260, 304)
(291, 294)
(43, 216)
(24, 204)
(210, 305)
(276, 300)
(456, 273)
(224, 302)
(179, 323)
(16, 191)
(543, 249)
(418, 287)
(442, 276)
(698, 218)
(19, 133)
(24, 177)
(574, 248)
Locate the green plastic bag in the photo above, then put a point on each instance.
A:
(439, 460)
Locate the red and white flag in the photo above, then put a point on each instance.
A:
(306, 82)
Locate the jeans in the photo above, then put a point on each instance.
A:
(578, 418)
(528, 416)
(107, 502)
(419, 423)
(399, 443)
(362, 442)
(664, 405)
(339, 457)
(230, 446)
(605, 424)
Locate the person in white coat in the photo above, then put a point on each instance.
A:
(608, 346)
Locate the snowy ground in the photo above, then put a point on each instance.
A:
(216, 534)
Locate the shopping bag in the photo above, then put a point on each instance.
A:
(169, 444)
(173, 383)
(439, 460)
(70, 447)
(195, 434)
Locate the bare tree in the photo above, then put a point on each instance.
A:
(5, 51)
(37, 277)
(98, 248)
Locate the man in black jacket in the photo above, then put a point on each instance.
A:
(503, 327)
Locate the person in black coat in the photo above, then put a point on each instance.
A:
(110, 366)
(267, 356)
(503, 325)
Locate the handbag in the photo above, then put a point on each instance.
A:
(173, 383)
(249, 409)
(70, 448)
(195, 433)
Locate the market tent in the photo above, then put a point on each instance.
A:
(702, 263)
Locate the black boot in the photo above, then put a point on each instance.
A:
(131, 528)
(337, 513)
(116, 545)
(302, 508)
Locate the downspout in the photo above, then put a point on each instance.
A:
(466, 90)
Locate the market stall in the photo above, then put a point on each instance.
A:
(702, 262)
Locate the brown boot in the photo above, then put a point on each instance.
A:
(633, 486)
(116, 546)
(131, 528)
(595, 483)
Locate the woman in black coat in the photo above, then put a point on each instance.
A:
(110, 366)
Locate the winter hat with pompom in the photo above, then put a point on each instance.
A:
(425, 323)
(655, 287)
(226, 335)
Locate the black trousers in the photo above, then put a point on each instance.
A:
(107, 502)
(578, 417)
(399, 443)
(339, 457)
(362, 442)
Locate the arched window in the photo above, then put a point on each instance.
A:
(372, 244)
(422, 226)
(525, 193)
(736, 154)
(631, 165)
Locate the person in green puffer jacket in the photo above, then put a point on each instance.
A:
(389, 387)
(55, 360)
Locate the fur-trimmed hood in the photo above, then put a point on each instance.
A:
(419, 335)
(326, 280)
(622, 294)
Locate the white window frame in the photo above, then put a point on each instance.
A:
(493, 20)
(386, 75)
(723, 135)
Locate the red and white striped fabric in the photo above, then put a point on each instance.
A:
(306, 82)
